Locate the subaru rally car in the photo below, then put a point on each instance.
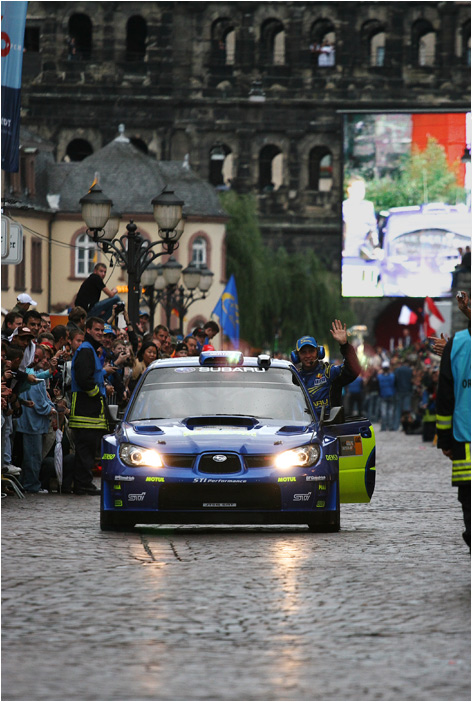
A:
(227, 439)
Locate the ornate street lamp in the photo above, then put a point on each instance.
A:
(162, 287)
(133, 250)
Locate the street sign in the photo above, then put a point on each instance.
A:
(5, 236)
(15, 254)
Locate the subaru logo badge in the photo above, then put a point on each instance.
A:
(219, 458)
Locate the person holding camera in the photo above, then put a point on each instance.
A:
(324, 381)
(89, 293)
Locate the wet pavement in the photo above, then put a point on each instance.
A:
(379, 611)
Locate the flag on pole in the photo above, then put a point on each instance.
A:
(407, 316)
(432, 317)
(227, 310)
(13, 34)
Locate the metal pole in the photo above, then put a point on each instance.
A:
(134, 283)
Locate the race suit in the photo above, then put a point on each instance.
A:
(325, 382)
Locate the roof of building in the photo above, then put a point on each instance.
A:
(132, 179)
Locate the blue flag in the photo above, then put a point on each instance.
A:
(13, 34)
(227, 310)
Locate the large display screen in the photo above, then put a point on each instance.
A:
(406, 207)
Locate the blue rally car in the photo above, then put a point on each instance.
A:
(227, 439)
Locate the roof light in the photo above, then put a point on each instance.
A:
(264, 360)
(221, 358)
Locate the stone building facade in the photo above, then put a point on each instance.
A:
(246, 89)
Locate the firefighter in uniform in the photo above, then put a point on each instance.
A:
(324, 381)
(453, 415)
(87, 417)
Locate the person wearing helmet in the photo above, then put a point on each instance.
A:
(324, 381)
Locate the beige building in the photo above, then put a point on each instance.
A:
(58, 252)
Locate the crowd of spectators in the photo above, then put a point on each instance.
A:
(36, 381)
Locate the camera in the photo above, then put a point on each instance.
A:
(120, 308)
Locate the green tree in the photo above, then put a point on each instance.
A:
(281, 294)
(425, 177)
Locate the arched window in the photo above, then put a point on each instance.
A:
(78, 149)
(273, 42)
(136, 34)
(218, 164)
(377, 49)
(463, 44)
(223, 42)
(139, 144)
(199, 251)
(80, 37)
(323, 43)
(270, 168)
(423, 43)
(320, 169)
(85, 256)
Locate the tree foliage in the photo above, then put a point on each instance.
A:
(424, 177)
(281, 296)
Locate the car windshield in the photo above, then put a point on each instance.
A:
(425, 243)
(171, 393)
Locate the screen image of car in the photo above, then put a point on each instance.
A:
(406, 215)
(228, 439)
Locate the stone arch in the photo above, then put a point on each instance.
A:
(323, 42)
(80, 37)
(218, 157)
(136, 36)
(270, 168)
(272, 42)
(222, 42)
(423, 43)
(78, 149)
(320, 169)
(373, 42)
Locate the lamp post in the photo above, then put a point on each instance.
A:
(133, 250)
(162, 287)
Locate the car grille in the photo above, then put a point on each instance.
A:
(231, 464)
(225, 496)
(258, 461)
(178, 461)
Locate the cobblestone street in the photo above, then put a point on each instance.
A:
(378, 611)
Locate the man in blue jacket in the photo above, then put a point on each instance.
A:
(33, 423)
(324, 381)
(88, 406)
(387, 397)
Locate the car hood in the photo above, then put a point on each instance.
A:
(197, 434)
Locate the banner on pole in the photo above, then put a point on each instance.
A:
(227, 310)
(13, 34)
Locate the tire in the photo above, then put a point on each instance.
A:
(114, 522)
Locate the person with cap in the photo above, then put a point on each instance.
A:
(453, 412)
(386, 380)
(143, 324)
(89, 293)
(88, 418)
(24, 338)
(324, 381)
(23, 303)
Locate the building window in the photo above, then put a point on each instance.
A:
(223, 42)
(80, 38)
(199, 251)
(78, 149)
(273, 42)
(220, 169)
(31, 42)
(36, 265)
(320, 169)
(423, 43)
(323, 43)
(20, 273)
(85, 256)
(270, 168)
(136, 35)
(377, 49)
(4, 278)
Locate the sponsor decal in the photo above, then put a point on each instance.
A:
(350, 445)
(331, 457)
(321, 486)
(302, 497)
(220, 504)
(224, 369)
(118, 503)
(320, 503)
(108, 456)
(287, 480)
(219, 458)
(185, 370)
(154, 479)
(136, 497)
(117, 487)
(219, 480)
(315, 477)
(124, 478)
(219, 430)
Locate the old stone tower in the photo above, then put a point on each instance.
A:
(251, 93)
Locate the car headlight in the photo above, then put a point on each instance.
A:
(136, 456)
(300, 457)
